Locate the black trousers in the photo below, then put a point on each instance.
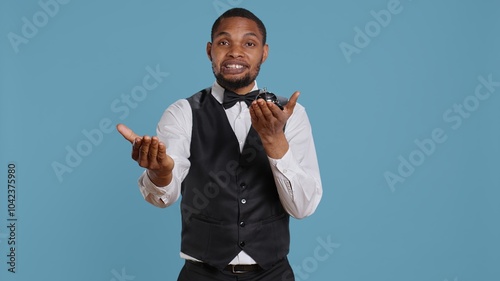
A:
(282, 271)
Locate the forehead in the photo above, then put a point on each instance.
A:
(238, 26)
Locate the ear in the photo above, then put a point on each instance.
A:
(265, 53)
(209, 50)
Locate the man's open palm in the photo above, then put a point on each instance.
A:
(151, 154)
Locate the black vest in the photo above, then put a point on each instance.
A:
(229, 199)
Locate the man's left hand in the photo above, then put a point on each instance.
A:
(269, 121)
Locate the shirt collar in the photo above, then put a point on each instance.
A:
(218, 91)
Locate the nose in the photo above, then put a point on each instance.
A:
(235, 51)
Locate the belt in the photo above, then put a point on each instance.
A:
(242, 268)
(233, 268)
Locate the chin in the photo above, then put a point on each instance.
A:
(234, 83)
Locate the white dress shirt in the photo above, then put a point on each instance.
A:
(296, 174)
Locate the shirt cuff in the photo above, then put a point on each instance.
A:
(149, 189)
(285, 165)
(284, 171)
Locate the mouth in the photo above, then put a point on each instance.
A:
(233, 67)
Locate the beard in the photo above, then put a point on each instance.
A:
(237, 83)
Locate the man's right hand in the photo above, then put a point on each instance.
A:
(150, 153)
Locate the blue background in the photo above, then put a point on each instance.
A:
(366, 109)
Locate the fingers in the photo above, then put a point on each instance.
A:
(153, 151)
(162, 153)
(151, 154)
(292, 102)
(267, 110)
(126, 132)
(136, 145)
(144, 152)
(147, 151)
(263, 110)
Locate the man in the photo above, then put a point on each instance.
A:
(240, 170)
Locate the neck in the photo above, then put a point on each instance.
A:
(243, 90)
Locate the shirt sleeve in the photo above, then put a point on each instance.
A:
(296, 174)
(174, 129)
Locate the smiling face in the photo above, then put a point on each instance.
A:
(236, 53)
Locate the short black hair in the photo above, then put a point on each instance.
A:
(242, 13)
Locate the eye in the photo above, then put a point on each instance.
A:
(250, 44)
(223, 43)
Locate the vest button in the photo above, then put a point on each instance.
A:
(243, 201)
(242, 223)
(242, 243)
(243, 185)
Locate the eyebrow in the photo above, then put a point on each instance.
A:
(223, 33)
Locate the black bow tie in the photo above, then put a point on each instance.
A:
(231, 98)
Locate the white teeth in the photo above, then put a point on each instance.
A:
(234, 66)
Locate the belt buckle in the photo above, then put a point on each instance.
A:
(234, 271)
